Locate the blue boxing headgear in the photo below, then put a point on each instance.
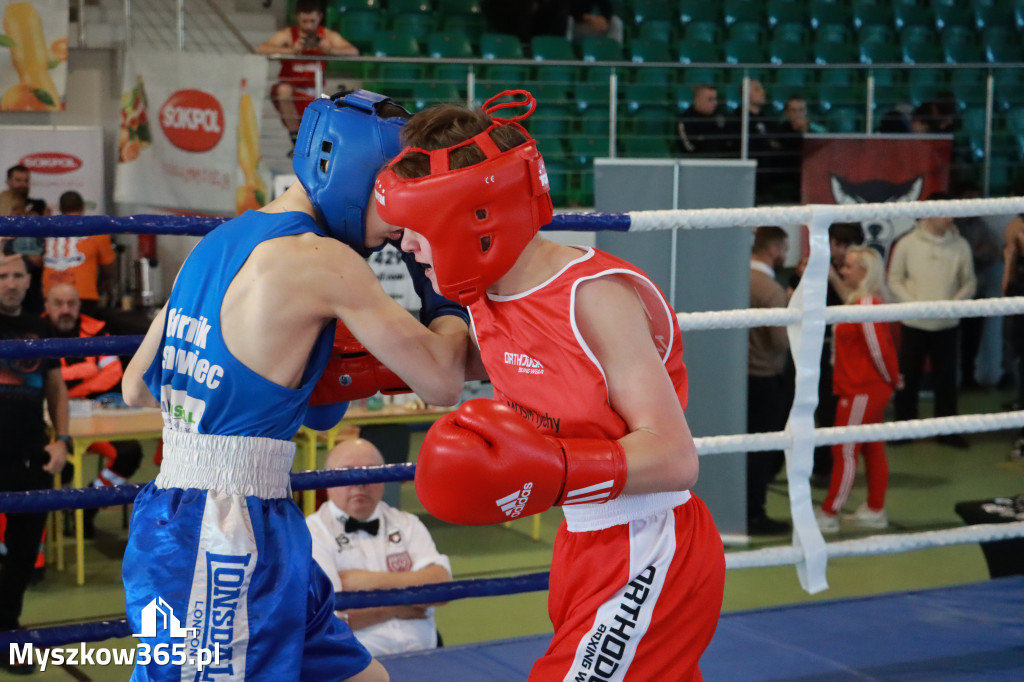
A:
(343, 142)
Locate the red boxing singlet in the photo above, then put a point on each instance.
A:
(301, 74)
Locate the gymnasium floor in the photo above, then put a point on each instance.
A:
(926, 480)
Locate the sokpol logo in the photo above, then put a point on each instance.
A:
(192, 120)
(51, 162)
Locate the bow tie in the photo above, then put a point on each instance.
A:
(371, 527)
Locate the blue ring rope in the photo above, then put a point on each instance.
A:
(83, 498)
(81, 226)
(99, 630)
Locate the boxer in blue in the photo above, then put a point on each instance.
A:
(232, 359)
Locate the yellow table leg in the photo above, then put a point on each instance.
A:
(77, 459)
(536, 526)
(58, 529)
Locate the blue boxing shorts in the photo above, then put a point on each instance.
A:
(219, 567)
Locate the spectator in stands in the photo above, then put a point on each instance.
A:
(296, 81)
(362, 543)
(767, 351)
(987, 257)
(90, 377)
(593, 19)
(894, 121)
(12, 199)
(931, 263)
(789, 162)
(764, 145)
(86, 262)
(704, 130)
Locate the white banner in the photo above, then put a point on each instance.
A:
(59, 159)
(33, 55)
(189, 135)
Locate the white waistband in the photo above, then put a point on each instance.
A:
(236, 465)
(580, 518)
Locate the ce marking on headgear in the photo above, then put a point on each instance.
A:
(489, 180)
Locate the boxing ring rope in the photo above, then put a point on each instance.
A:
(806, 319)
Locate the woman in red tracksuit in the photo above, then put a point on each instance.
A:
(865, 375)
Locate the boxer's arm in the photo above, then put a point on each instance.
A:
(430, 361)
(660, 453)
(133, 388)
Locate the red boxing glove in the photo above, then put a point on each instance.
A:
(485, 464)
(352, 373)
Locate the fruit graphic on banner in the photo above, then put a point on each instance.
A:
(252, 194)
(30, 55)
(135, 134)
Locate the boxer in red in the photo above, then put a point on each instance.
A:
(590, 387)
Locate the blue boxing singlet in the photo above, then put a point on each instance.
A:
(216, 540)
(201, 386)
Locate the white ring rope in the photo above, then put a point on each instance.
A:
(880, 544)
(806, 319)
(886, 312)
(643, 221)
(863, 433)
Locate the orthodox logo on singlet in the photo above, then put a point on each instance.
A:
(524, 363)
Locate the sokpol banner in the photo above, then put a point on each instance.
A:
(860, 169)
(33, 54)
(189, 137)
(58, 159)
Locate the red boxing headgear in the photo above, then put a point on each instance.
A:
(479, 218)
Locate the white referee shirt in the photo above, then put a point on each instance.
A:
(403, 543)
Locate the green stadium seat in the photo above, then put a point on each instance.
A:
(911, 15)
(558, 176)
(998, 35)
(600, 50)
(922, 53)
(690, 51)
(647, 50)
(832, 33)
(877, 33)
(834, 53)
(637, 96)
(690, 11)
(962, 52)
(551, 121)
(790, 82)
(735, 76)
(427, 93)
(742, 52)
(731, 97)
(447, 44)
(823, 12)
(554, 48)
(418, 25)
(449, 8)
(472, 25)
(1015, 124)
(871, 14)
(994, 14)
(841, 76)
(746, 31)
(919, 34)
(785, 12)
(359, 28)
(683, 96)
(500, 46)
(844, 120)
(647, 147)
(974, 131)
(589, 96)
(397, 79)
(791, 33)
(702, 31)
(788, 53)
(952, 15)
(334, 10)
(880, 53)
(968, 86)
(740, 11)
(657, 29)
(1009, 88)
(594, 123)
(924, 85)
(398, 8)
(1003, 52)
(830, 97)
(697, 75)
(659, 10)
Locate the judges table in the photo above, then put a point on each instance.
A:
(118, 424)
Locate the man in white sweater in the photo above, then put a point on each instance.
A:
(932, 262)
